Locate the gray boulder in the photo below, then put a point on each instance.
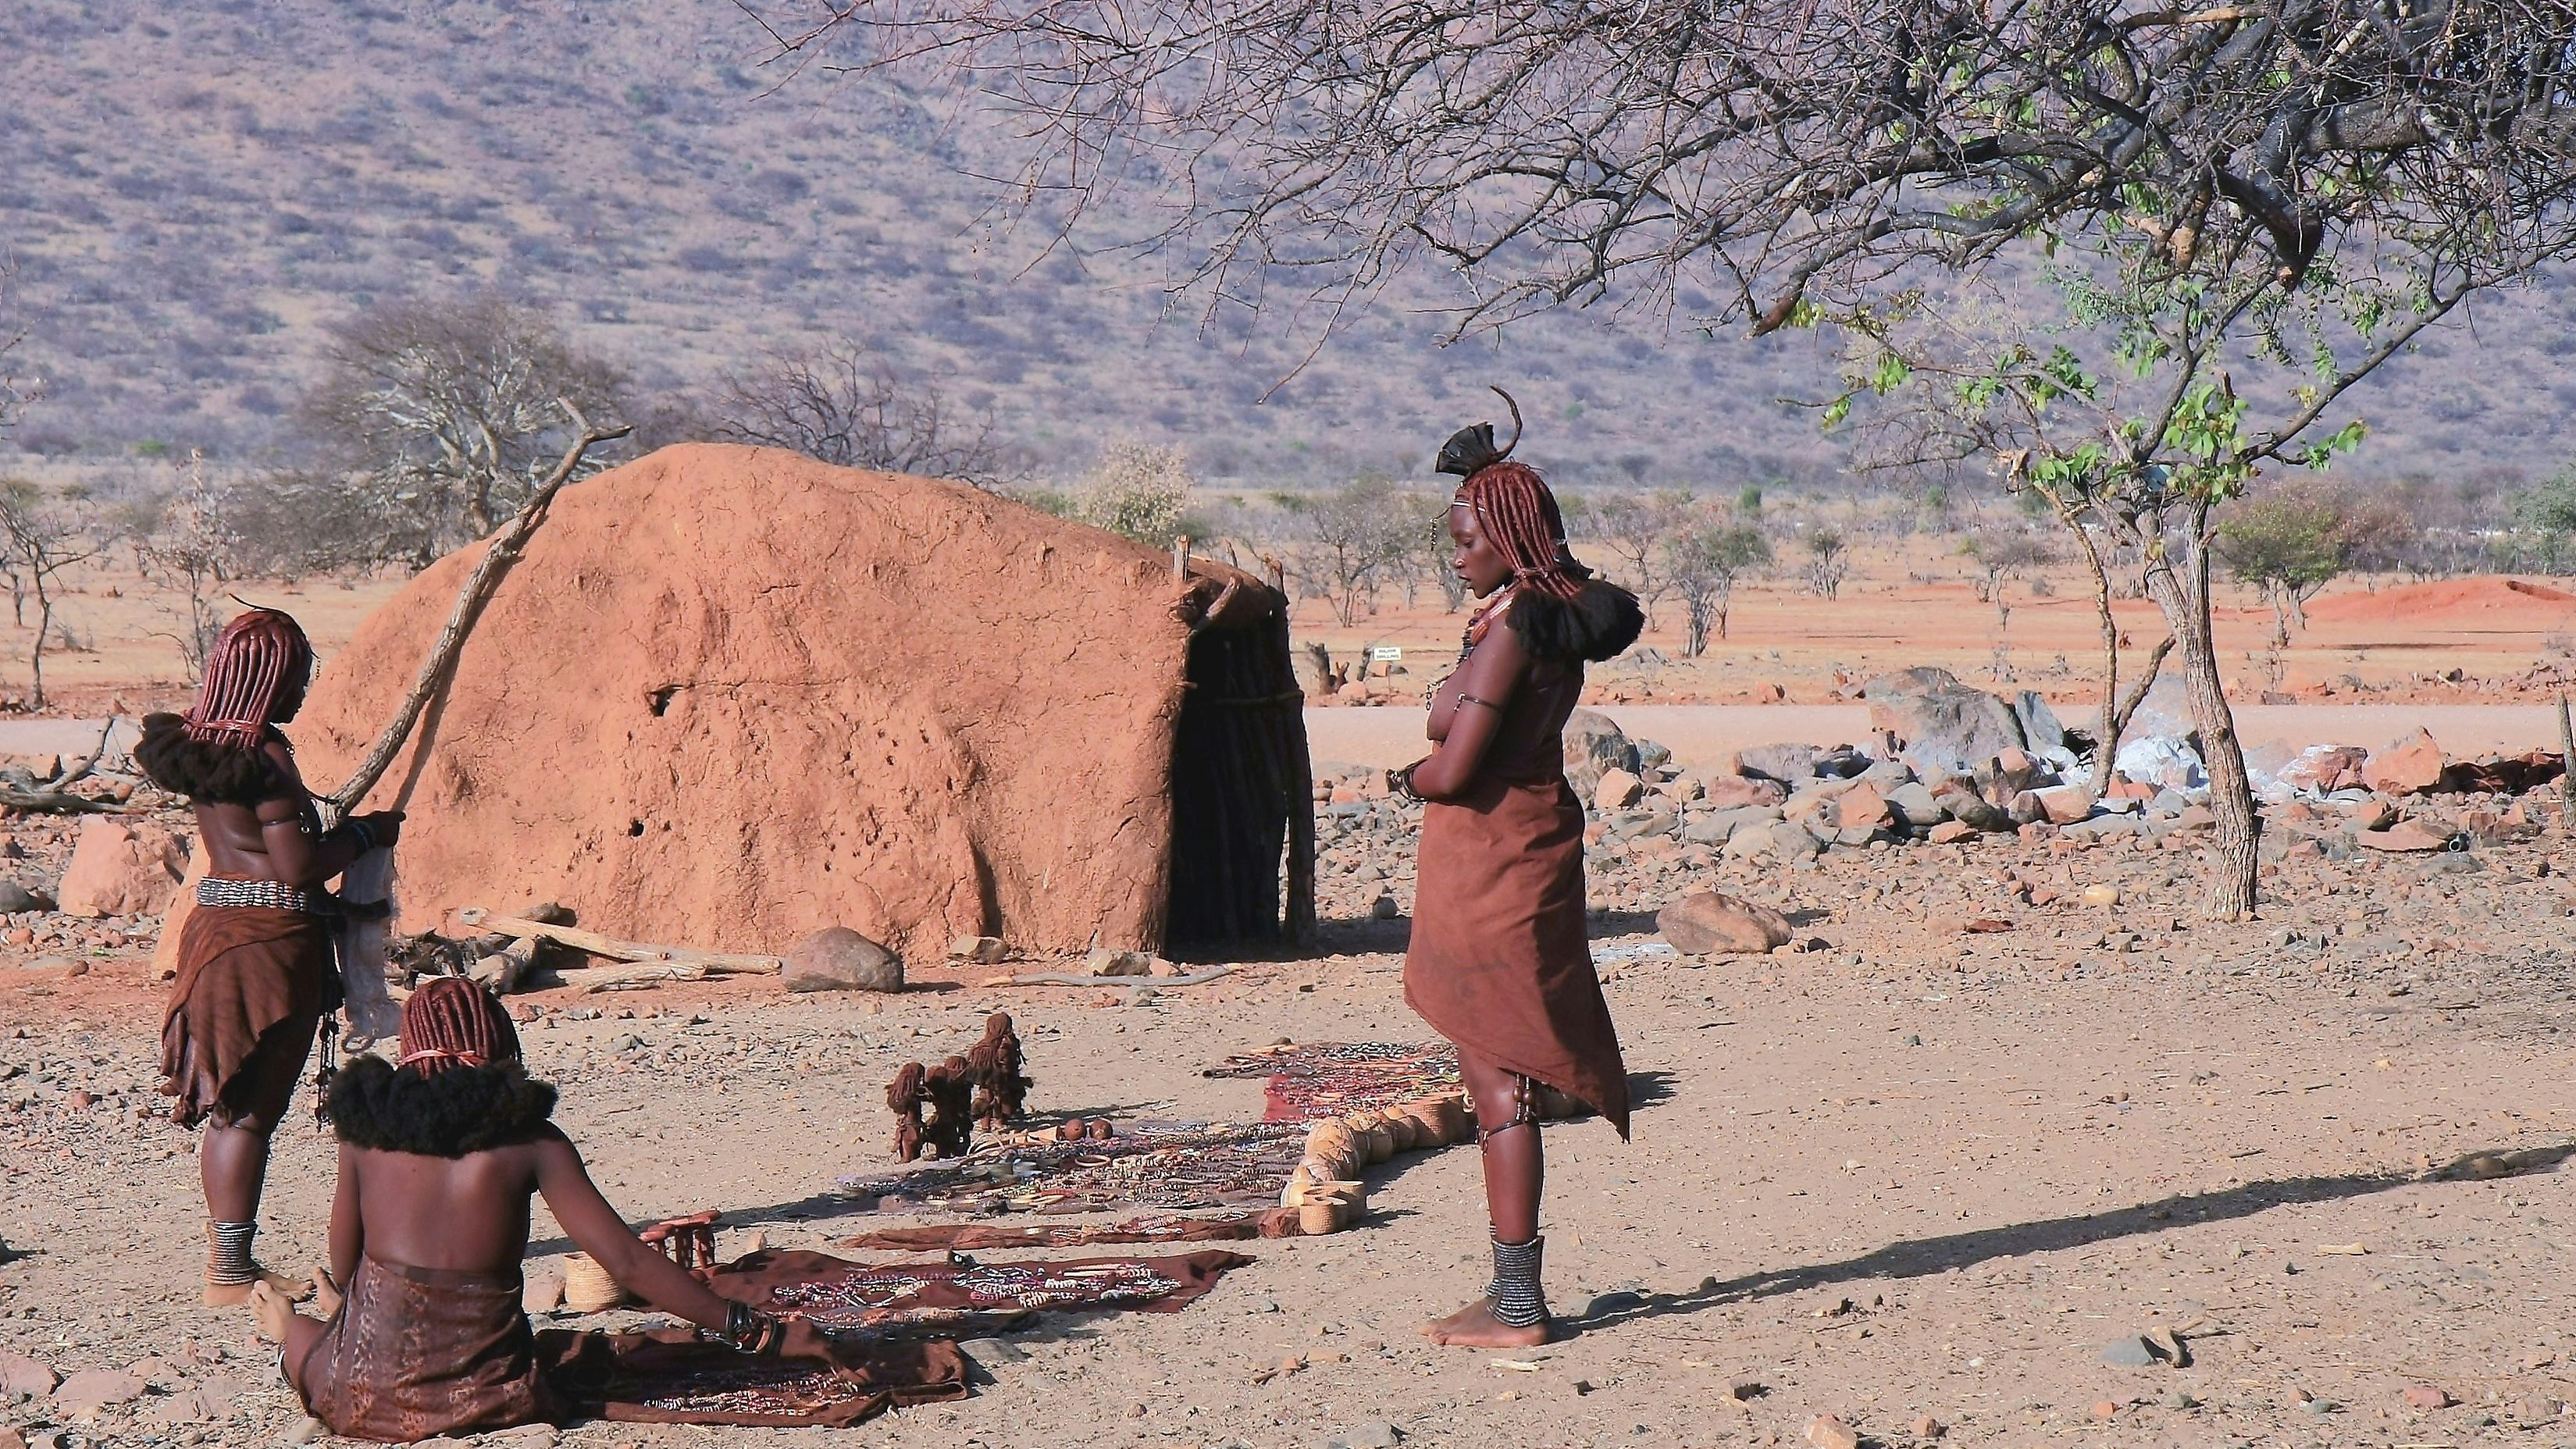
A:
(1594, 745)
(1915, 805)
(837, 958)
(1940, 723)
(1789, 764)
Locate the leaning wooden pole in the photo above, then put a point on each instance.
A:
(470, 600)
(2566, 766)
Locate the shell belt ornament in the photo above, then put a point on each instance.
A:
(268, 895)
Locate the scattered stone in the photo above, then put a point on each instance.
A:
(1928, 1427)
(2323, 769)
(1745, 1391)
(837, 958)
(2404, 838)
(200, 1402)
(2410, 766)
(2129, 1350)
(1708, 923)
(1375, 1434)
(85, 1393)
(121, 867)
(1825, 1431)
(2101, 894)
(978, 950)
(1618, 790)
(1105, 962)
(305, 1431)
(1385, 908)
(2425, 1396)
(1862, 808)
(1913, 804)
(2105, 1409)
(1594, 744)
(1940, 723)
(1737, 792)
(1949, 832)
(15, 898)
(2181, 1399)
(542, 1291)
(1791, 765)
(20, 1374)
(993, 1350)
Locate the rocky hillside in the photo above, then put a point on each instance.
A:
(189, 191)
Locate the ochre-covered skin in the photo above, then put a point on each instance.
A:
(732, 695)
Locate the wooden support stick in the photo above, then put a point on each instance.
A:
(2566, 765)
(621, 978)
(504, 549)
(722, 963)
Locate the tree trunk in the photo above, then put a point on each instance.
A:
(36, 656)
(2183, 595)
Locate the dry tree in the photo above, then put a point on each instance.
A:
(2310, 180)
(838, 404)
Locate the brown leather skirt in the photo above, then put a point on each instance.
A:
(416, 1352)
(1500, 962)
(253, 984)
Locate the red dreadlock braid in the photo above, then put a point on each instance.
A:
(252, 662)
(451, 1022)
(1520, 518)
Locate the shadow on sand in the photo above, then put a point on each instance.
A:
(1924, 1257)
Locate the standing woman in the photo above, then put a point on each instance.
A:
(1499, 962)
(256, 974)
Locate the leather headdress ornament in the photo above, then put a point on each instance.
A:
(1472, 448)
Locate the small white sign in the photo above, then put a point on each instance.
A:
(1385, 654)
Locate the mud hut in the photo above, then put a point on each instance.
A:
(733, 695)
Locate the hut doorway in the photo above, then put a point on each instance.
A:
(1243, 808)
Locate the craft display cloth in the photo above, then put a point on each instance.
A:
(1167, 1167)
(1315, 1080)
(982, 1237)
(672, 1376)
(845, 1297)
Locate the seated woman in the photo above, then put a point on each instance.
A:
(439, 1157)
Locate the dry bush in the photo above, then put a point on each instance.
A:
(839, 404)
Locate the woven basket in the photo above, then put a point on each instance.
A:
(587, 1286)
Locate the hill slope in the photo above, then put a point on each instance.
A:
(189, 191)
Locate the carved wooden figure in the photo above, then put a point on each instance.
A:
(906, 1094)
(1001, 1088)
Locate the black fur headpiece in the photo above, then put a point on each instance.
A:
(378, 1105)
(1597, 624)
(1471, 448)
(209, 773)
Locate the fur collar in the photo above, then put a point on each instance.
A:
(1596, 625)
(461, 1110)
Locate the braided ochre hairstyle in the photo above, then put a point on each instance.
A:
(1520, 518)
(257, 656)
(451, 1022)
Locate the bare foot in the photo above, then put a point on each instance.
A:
(270, 1310)
(326, 1294)
(1475, 1326)
(1482, 1307)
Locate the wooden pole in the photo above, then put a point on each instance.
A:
(478, 589)
(2566, 766)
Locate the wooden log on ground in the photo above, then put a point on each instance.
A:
(723, 963)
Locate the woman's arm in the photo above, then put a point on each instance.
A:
(596, 1229)
(348, 1225)
(306, 861)
(1486, 683)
